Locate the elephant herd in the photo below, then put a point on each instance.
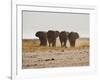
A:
(52, 35)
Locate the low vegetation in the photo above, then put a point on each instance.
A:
(35, 56)
(32, 45)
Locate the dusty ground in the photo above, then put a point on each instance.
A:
(34, 56)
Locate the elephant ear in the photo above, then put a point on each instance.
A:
(57, 33)
(71, 36)
(77, 35)
(37, 34)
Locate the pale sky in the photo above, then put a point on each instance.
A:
(44, 21)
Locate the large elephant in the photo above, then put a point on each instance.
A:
(63, 36)
(73, 36)
(42, 37)
(51, 36)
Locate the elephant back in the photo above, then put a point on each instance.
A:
(41, 34)
(52, 34)
(73, 35)
(63, 34)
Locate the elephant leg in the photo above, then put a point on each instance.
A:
(72, 43)
(44, 42)
(65, 43)
(54, 43)
(61, 43)
(40, 42)
(49, 43)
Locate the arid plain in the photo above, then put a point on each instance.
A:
(35, 56)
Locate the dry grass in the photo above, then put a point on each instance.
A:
(29, 45)
(35, 56)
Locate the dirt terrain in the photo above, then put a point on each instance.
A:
(34, 56)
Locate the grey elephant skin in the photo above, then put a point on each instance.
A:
(73, 36)
(42, 37)
(63, 37)
(51, 36)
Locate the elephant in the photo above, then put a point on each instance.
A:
(63, 36)
(73, 36)
(51, 36)
(42, 37)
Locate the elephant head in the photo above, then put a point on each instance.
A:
(42, 37)
(73, 36)
(51, 36)
(56, 33)
(63, 36)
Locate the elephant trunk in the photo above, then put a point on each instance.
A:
(72, 43)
